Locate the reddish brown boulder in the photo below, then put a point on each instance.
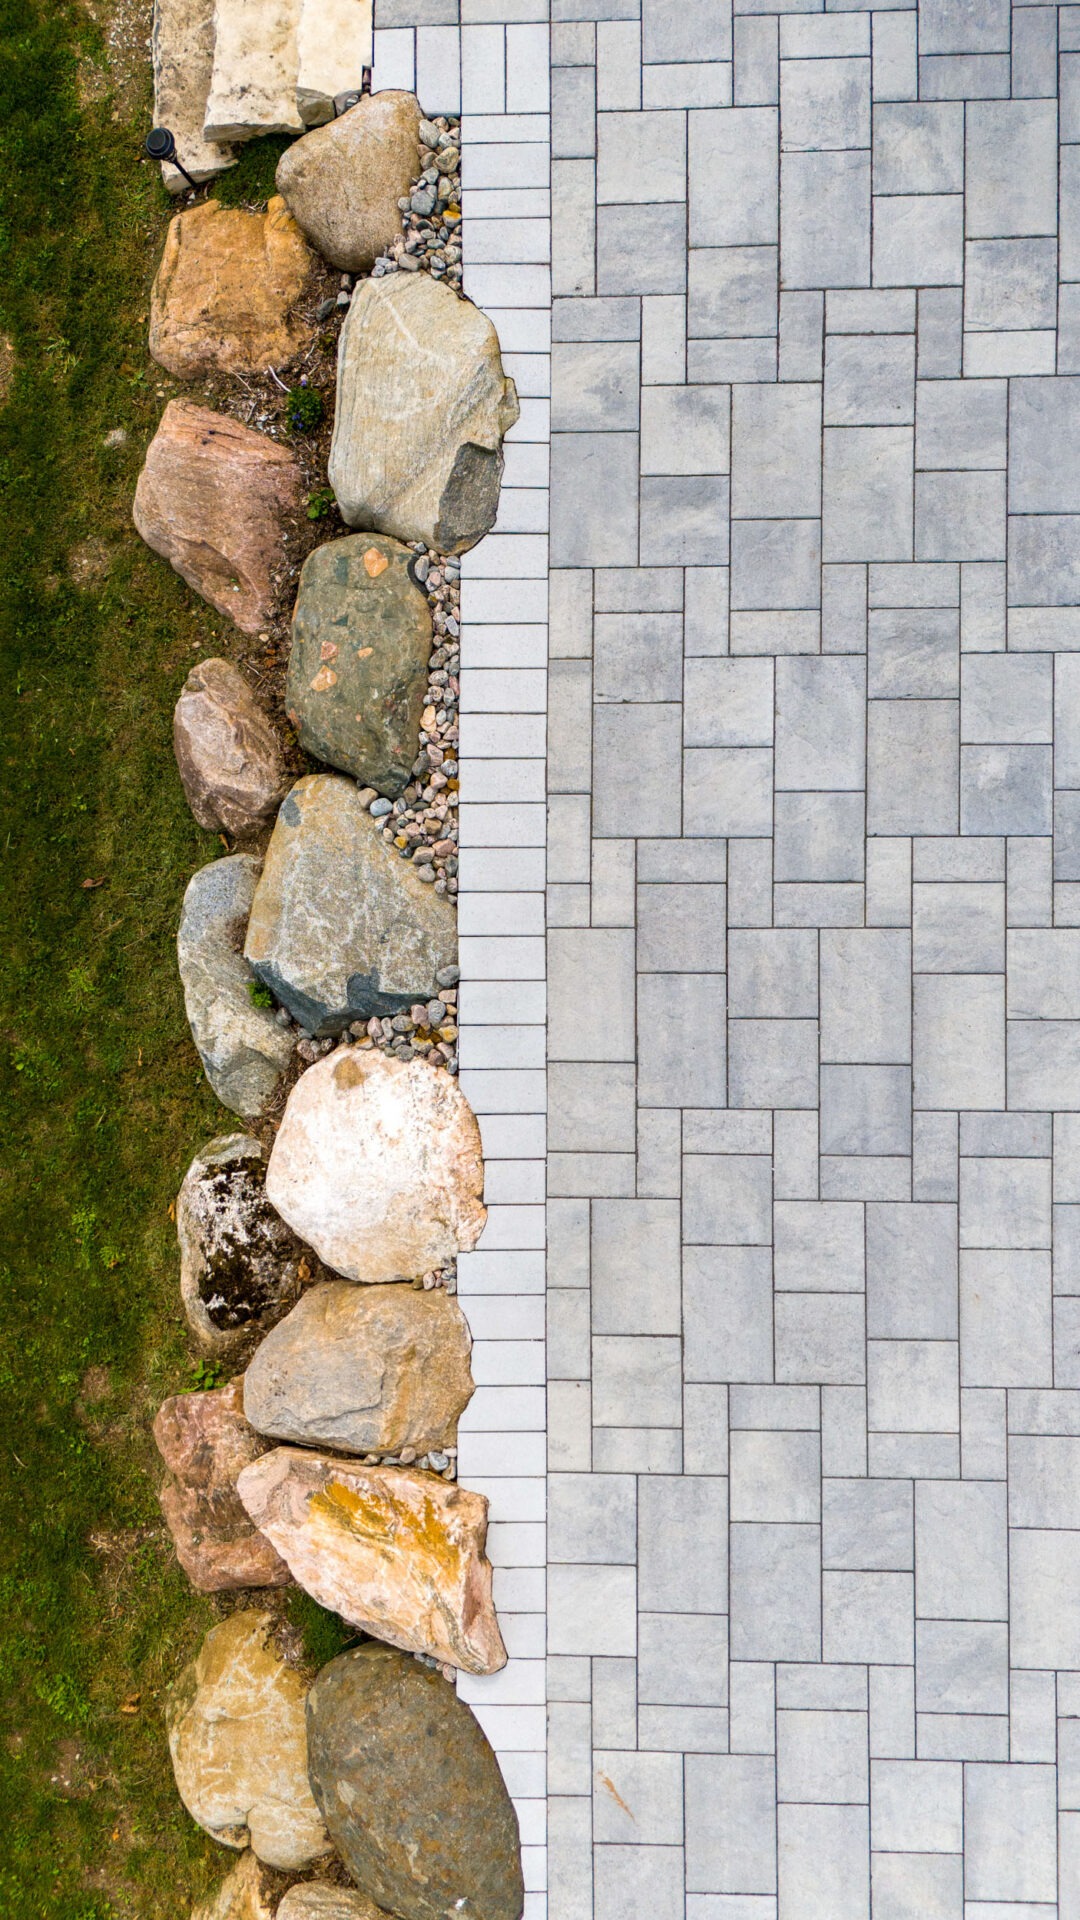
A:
(214, 499)
(227, 751)
(206, 1443)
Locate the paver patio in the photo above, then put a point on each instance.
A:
(813, 946)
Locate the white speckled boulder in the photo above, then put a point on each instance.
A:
(377, 1165)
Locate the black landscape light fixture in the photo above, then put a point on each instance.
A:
(161, 145)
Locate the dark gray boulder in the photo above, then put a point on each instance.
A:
(410, 1790)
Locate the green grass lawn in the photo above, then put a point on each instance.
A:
(101, 1099)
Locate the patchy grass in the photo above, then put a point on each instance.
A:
(102, 1102)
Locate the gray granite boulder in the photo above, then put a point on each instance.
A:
(342, 183)
(358, 670)
(422, 407)
(437, 1839)
(241, 1267)
(243, 1049)
(341, 927)
(363, 1370)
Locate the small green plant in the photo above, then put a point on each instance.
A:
(64, 1697)
(259, 995)
(305, 409)
(205, 1376)
(320, 503)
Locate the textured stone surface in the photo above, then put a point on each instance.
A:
(242, 1048)
(253, 81)
(341, 927)
(422, 407)
(343, 182)
(183, 52)
(214, 499)
(225, 294)
(235, 1719)
(377, 1164)
(206, 1443)
(317, 1900)
(396, 1552)
(447, 1845)
(247, 1893)
(240, 1267)
(334, 44)
(361, 642)
(226, 750)
(363, 1370)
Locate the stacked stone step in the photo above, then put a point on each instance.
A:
(228, 71)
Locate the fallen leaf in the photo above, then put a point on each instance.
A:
(610, 1787)
(303, 1271)
(171, 1209)
(131, 1704)
(89, 885)
(375, 563)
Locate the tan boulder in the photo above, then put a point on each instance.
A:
(363, 1370)
(343, 182)
(183, 55)
(215, 499)
(249, 1892)
(395, 1552)
(227, 752)
(206, 1443)
(238, 1743)
(423, 403)
(377, 1165)
(317, 1900)
(334, 43)
(225, 295)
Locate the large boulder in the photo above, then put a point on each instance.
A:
(318, 1900)
(249, 1892)
(334, 43)
(422, 407)
(253, 79)
(396, 1552)
(341, 927)
(243, 1049)
(343, 182)
(240, 1267)
(225, 296)
(377, 1164)
(441, 1839)
(215, 500)
(227, 752)
(206, 1443)
(235, 1719)
(183, 55)
(358, 670)
(363, 1370)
